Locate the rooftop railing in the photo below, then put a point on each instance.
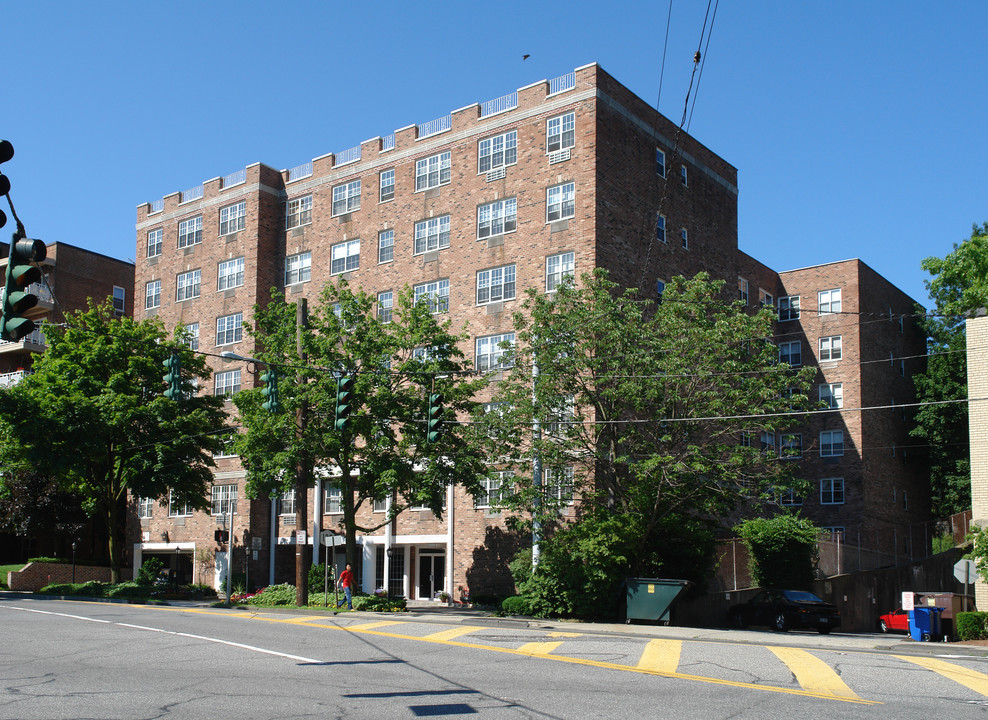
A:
(562, 83)
(434, 127)
(499, 105)
(388, 142)
(300, 171)
(347, 156)
(235, 178)
(157, 206)
(191, 194)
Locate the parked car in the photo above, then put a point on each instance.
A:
(895, 621)
(785, 609)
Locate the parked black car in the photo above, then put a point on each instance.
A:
(784, 609)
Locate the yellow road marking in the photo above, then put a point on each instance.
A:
(813, 674)
(661, 655)
(539, 648)
(371, 625)
(563, 634)
(450, 634)
(971, 679)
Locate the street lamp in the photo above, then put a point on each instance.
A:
(391, 553)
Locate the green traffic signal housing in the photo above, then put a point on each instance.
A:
(20, 274)
(344, 402)
(435, 422)
(6, 153)
(173, 378)
(270, 391)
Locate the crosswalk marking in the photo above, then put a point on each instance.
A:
(454, 633)
(661, 655)
(539, 648)
(971, 679)
(813, 674)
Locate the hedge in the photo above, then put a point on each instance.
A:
(971, 625)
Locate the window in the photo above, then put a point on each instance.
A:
(152, 295)
(190, 232)
(226, 449)
(286, 503)
(490, 353)
(333, 500)
(558, 484)
(188, 285)
(497, 218)
(435, 293)
(789, 308)
(387, 183)
(660, 163)
(743, 290)
(496, 284)
(660, 288)
(830, 348)
(558, 268)
(791, 446)
(831, 443)
(432, 171)
(229, 329)
(832, 394)
(119, 299)
(233, 218)
(230, 274)
(298, 268)
(767, 442)
(345, 257)
(431, 234)
(386, 246)
(660, 228)
(683, 175)
(765, 299)
(224, 499)
(178, 507)
(145, 507)
(155, 242)
(380, 504)
(227, 382)
(298, 212)
(497, 152)
(828, 301)
(560, 202)
(385, 306)
(791, 353)
(492, 489)
(560, 132)
(789, 497)
(191, 336)
(684, 236)
(346, 198)
(832, 491)
(561, 415)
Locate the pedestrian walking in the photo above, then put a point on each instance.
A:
(346, 582)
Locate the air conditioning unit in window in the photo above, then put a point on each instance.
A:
(496, 175)
(559, 156)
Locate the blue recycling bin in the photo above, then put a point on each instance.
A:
(924, 623)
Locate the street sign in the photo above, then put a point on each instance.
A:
(964, 571)
(908, 601)
(331, 539)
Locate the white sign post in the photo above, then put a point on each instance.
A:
(964, 572)
(908, 601)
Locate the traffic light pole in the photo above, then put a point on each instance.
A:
(303, 467)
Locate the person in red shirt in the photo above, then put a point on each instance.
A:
(346, 582)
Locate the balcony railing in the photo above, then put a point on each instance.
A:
(35, 338)
(12, 378)
(499, 105)
(434, 127)
(562, 83)
(42, 292)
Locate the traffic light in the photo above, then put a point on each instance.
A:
(6, 153)
(344, 402)
(221, 536)
(20, 274)
(435, 417)
(173, 378)
(270, 391)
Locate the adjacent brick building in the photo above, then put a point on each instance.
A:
(470, 209)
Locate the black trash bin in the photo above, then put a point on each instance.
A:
(652, 598)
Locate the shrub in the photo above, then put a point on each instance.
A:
(149, 571)
(783, 550)
(136, 590)
(516, 605)
(374, 603)
(271, 596)
(317, 578)
(51, 560)
(59, 589)
(971, 625)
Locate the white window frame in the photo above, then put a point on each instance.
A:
(145, 507)
(233, 218)
(156, 242)
(286, 503)
(298, 212)
(226, 382)
(433, 171)
(788, 308)
(332, 500)
(346, 198)
(828, 301)
(385, 246)
(660, 228)
(344, 257)
(496, 285)
(832, 491)
(498, 151)
(385, 306)
(560, 132)
(497, 218)
(386, 195)
(152, 295)
(791, 446)
(831, 443)
(559, 489)
(431, 234)
(829, 348)
(492, 489)
(176, 508)
(436, 293)
(789, 498)
(685, 237)
(660, 162)
(560, 202)
(229, 329)
(558, 268)
(192, 335)
(765, 298)
(490, 356)
(298, 268)
(188, 285)
(786, 353)
(119, 299)
(222, 498)
(743, 290)
(832, 394)
(230, 274)
(190, 232)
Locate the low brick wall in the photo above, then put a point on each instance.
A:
(35, 576)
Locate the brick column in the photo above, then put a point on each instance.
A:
(977, 387)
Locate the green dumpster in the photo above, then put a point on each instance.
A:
(652, 598)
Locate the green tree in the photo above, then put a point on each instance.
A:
(958, 287)
(782, 550)
(92, 414)
(396, 363)
(650, 413)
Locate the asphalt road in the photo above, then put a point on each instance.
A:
(71, 659)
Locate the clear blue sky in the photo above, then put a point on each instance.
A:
(858, 128)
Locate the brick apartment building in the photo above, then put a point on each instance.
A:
(555, 179)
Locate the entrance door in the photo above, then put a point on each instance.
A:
(432, 575)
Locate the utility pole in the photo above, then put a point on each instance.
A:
(303, 467)
(536, 469)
